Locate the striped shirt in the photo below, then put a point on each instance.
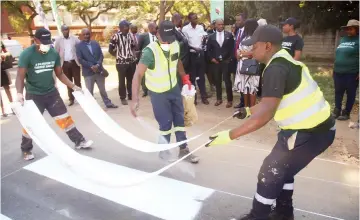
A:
(123, 45)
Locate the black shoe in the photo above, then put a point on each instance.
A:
(124, 102)
(278, 216)
(112, 106)
(144, 94)
(71, 102)
(336, 113)
(205, 101)
(129, 98)
(344, 116)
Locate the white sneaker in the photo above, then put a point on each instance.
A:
(84, 144)
(28, 156)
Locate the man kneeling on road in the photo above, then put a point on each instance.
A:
(160, 62)
(36, 64)
(294, 100)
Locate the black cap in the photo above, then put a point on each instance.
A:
(290, 21)
(266, 33)
(124, 23)
(167, 31)
(43, 35)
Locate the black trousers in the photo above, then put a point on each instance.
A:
(125, 71)
(221, 72)
(53, 103)
(345, 83)
(72, 72)
(197, 72)
(276, 175)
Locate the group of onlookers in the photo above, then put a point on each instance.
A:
(212, 52)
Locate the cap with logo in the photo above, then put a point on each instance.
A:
(43, 35)
(351, 23)
(267, 33)
(167, 31)
(291, 21)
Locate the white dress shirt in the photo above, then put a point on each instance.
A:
(194, 35)
(152, 37)
(68, 47)
(220, 37)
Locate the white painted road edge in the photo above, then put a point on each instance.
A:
(3, 217)
(159, 196)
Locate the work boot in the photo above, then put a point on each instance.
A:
(274, 215)
(336, 113)
(124, 102)
(191, 158)
(344, 116)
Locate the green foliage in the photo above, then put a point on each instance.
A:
(17, 23)
(201, 8)
(315, 16)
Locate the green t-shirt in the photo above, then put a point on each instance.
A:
(347, 56)
(40, 67)
(148, 59)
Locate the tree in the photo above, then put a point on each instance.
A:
(165, 7)
(19, 17)
(315, 16)
(85, 12)
(201, 8)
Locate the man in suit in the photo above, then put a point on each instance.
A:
(144, 40)
(184, 44)
(220, 47)
(239, 33)
(135, 37)
(65, 46)
(91, 57)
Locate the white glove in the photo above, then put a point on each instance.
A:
(20, 98)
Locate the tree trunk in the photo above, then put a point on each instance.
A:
(162, 11)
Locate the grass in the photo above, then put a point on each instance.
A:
(323, 76)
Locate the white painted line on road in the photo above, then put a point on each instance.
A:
(160, 196)
(300, 210)
(268, 151)
(3, 217)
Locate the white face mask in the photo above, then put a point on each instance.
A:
(44, 48)
(165, 47)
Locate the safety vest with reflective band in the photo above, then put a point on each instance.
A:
(305, 107)
(163, 77)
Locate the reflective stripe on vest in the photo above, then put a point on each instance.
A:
(163, 77)
(305, 107)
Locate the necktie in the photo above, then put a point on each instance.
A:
(238, 37)
(221, 40)
(135, 39)
(153, 38)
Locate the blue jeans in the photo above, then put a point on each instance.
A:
(345, 83)
(168, 111)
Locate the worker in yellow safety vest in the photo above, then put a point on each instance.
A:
(160, 63)
(295, 101)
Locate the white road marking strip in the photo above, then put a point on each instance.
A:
(317, 158)
(3, 217)
(160, 196)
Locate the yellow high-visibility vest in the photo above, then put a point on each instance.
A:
(305, 107)
(163, 77)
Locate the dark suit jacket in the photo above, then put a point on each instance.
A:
(88, 59)
(226, 50)
(184, 50)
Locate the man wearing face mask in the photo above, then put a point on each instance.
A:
(36, 64)
(161, 80)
